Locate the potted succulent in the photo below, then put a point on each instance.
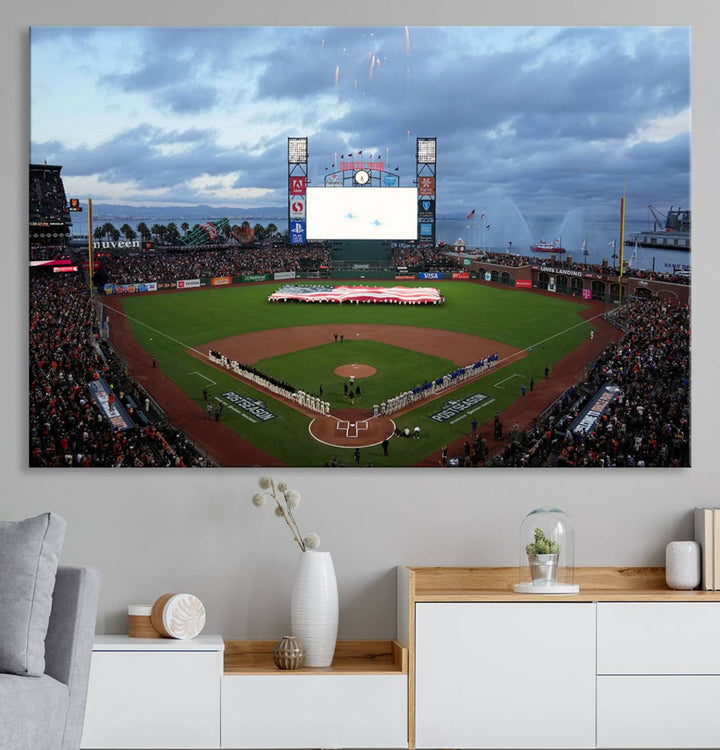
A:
(543, 555)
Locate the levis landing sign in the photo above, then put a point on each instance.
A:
(119, 245)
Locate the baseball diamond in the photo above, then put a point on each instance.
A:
(383, 370)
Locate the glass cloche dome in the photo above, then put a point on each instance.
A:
(546, 553)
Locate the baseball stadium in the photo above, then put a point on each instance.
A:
(343, 342)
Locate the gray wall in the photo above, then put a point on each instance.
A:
(156, 531)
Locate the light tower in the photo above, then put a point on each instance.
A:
(297, 190)
(426, 161)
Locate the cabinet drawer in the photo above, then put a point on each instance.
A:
(660, 711)
(301, 711)
(157, 699)
(658, 638)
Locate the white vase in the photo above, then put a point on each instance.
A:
(314, 607)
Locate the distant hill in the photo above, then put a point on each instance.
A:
(118, 211)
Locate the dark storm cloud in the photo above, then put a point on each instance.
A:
(138, 155)
(189, 99)
(177, 56)
(542, 116)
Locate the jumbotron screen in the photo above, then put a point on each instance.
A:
(362, 213)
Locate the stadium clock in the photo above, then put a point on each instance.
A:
(361, 177)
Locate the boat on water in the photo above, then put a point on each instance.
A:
(670, 231)
(547, 247)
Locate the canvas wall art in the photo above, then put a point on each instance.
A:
(392, 246)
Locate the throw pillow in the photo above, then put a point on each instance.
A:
(29, 553)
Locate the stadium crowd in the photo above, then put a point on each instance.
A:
(647, 424)
(49, 252)
(47, 195)
(195, 264)
(66, 352)
(518, 261)
(426, 258)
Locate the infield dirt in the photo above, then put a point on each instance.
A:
(227, 448)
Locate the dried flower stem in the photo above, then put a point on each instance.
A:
(284, 504)
(288, 516)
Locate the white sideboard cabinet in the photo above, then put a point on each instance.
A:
(207, 693)
(625, 663)
(154, 693)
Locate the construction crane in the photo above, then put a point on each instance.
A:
(659, 218)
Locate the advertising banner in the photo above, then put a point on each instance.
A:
(333, 180)
(598, 405)
(426, 185)
(523, 283)
(426, 208)
(430, 275)
(221, 280)
(187, 283)
(297, 233)
(390, 180)
(426, 229)
(284, 275)
(113, 411)
(488, 276)
(460, 275)
(561, 271)
(57, 262)
(587, 293)
(255, 277)
(297, 186)
(297, 207)
(130, 288)
(64, 269)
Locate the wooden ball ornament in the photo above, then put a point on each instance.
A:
(179, 616)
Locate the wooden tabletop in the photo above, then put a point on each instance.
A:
(618, 584)
(351, 657)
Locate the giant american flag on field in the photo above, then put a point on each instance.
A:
(394, 295)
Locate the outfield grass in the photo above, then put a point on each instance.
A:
(166, 325)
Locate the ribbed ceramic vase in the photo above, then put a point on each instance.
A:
(314, 607)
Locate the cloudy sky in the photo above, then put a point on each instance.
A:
(551, 118)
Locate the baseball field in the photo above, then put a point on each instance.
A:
(389, 349)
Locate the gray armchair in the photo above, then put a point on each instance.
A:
(47, 712)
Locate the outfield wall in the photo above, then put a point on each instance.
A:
(589, 285)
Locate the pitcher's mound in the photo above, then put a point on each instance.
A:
(359, 371)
